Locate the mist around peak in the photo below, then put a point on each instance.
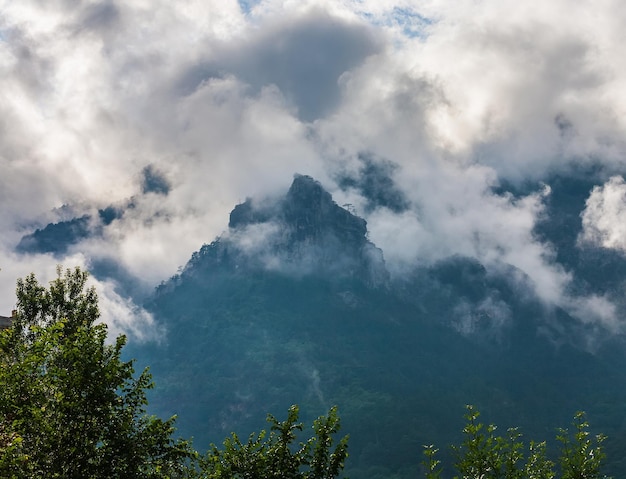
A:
(288, 306)
(418, 116)
(299, 234)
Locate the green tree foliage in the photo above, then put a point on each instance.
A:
(485, 455)
(69, 406)
(581, 455)
(276, 455)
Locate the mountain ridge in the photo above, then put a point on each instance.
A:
(279, 311)
(304, 232)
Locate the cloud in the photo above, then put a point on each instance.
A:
(123, 316)
(488, 319)
(599, 310)
(604, 216)
(120, 313)
(215, 101)
(302, 55)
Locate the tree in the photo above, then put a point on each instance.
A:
(484, 455)
(69, 406)
(276, 456)
(581, 456)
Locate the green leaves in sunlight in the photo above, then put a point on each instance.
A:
(483, 454)
(69, 406)
(277, 455)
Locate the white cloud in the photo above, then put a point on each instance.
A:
(604, 217)
(120, 314)
(457, 94)
(599, 310)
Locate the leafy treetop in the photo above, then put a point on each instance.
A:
(69, 406)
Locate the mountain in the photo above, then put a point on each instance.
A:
(295, 305)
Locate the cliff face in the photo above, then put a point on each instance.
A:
(311, 214)
(304, 232)
(306, 213)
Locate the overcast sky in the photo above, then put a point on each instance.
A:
(223, 100)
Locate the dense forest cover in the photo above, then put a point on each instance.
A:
(70, 407)
(294, 304)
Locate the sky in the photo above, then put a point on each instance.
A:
(221, 100)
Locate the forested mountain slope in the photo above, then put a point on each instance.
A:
(295, 305)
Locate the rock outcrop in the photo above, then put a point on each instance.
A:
(304, 232)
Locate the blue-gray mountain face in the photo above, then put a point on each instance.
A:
(57, 238)
(294, 305)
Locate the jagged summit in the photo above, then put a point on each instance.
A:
(303, 232)
(308, 211)
(311, 212)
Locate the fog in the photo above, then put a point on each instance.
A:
(413, 112)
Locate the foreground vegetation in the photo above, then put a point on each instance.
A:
(70, 407)
(483, 454)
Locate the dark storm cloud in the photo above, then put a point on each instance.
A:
(304, 58)
(100, 16)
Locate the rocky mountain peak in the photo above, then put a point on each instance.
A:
(309, 231)
(311, 213)
(307, 212)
